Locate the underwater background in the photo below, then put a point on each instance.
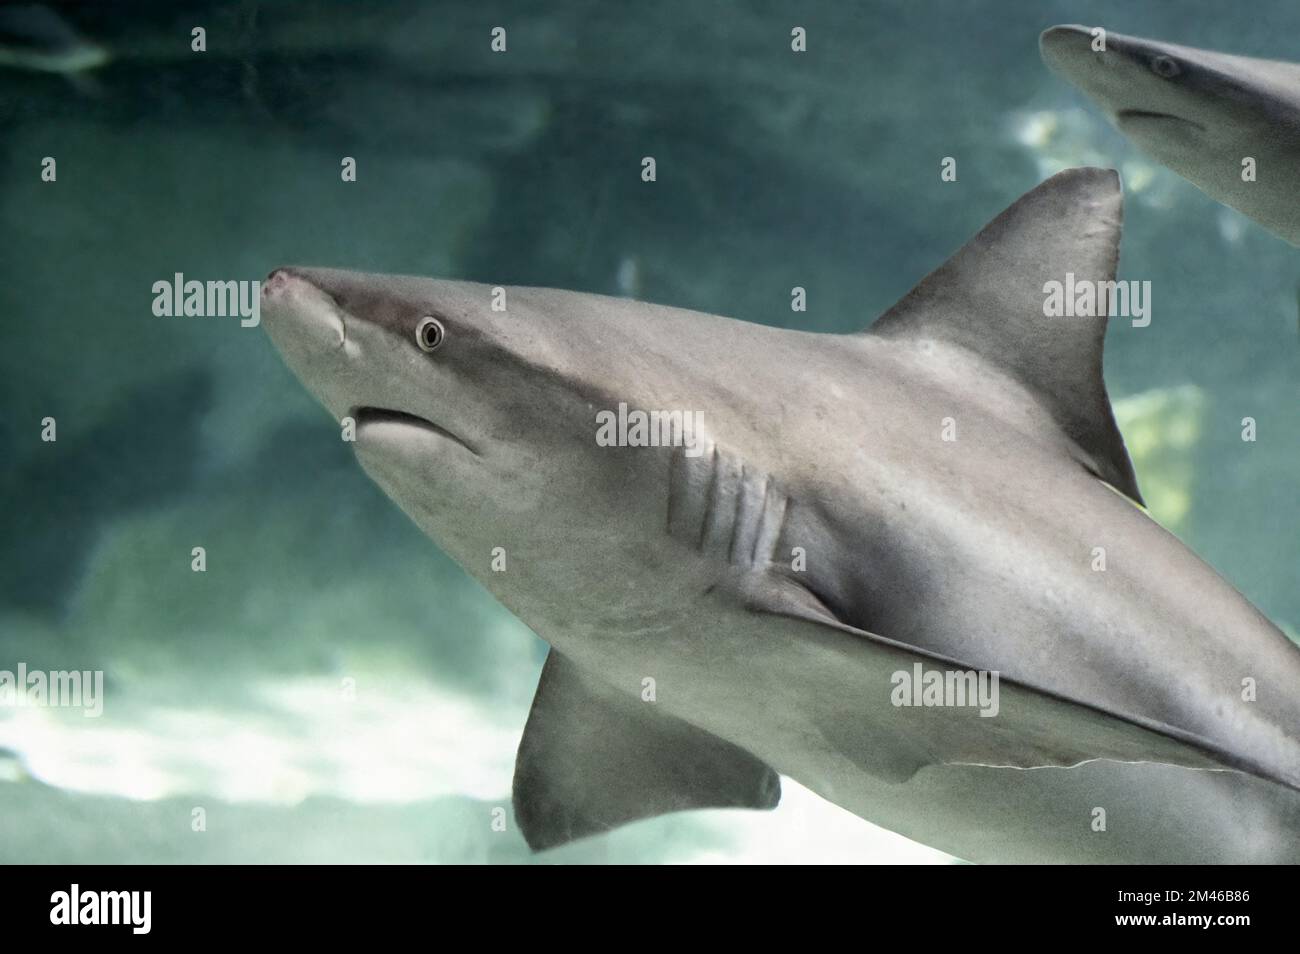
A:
(775, 169)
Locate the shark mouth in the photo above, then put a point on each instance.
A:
(1146, 115)
(383, 415)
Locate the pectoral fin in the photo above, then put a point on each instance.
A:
(892, 737)
(595, 756)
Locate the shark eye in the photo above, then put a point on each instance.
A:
(1165, 66)
(429, 333)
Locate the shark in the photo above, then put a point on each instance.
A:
(942, 498)
(1205, 115)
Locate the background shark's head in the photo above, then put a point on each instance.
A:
(1191, 109)
(481, 423)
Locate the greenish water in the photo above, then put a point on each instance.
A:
(225, 690)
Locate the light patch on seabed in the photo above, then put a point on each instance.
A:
(406, 743)
(807, 829)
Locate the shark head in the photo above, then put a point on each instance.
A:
(1229, 124)
(1171, 98)
(481, 423)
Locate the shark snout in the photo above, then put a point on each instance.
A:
(277, 287)
(296, 308)
(275, 283)
(1073, 52)
(1092, 61)
(288, 288)
(309, 330)
(1065, 41)
(1088, 57)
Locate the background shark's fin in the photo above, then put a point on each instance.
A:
(989, 297)
(594, 757)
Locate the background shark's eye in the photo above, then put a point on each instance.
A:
(1165, 66)
(429, 333)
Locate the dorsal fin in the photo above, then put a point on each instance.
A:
(988, 298)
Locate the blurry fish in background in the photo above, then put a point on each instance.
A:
(329, 74)
(35, 37)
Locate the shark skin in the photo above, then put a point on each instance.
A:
(1120, 689)
(1198, 112)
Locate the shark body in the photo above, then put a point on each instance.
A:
(1200, 113)
(948, 477)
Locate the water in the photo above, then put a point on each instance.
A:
(332, 688)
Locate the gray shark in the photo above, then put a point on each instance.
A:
(928, 500)
(1198, 112)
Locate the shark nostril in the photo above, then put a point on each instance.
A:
(274, 282)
